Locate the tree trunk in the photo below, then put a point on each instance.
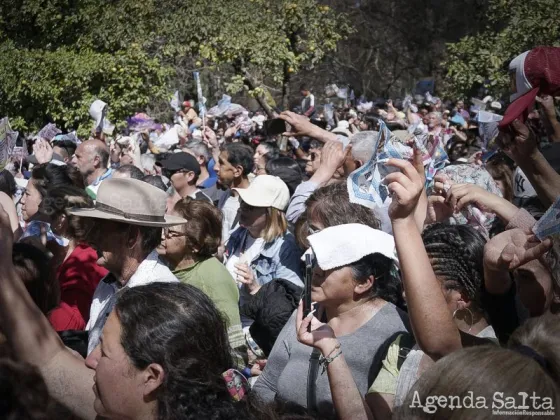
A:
(251, 84)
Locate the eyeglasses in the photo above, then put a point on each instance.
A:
(168, 233)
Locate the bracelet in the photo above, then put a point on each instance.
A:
(326, 361)
(337, 347)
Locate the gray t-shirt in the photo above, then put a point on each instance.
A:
(285, 375)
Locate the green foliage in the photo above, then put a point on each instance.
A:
(514, 26)
(60, 85)
(59, 55)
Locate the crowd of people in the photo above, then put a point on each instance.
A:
(164, 273)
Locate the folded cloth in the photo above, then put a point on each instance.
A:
(37, 228)
(338, 246)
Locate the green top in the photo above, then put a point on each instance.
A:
(214, 279)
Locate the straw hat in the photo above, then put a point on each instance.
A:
(130, 201)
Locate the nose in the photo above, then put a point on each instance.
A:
(217, 168)
(93, 359)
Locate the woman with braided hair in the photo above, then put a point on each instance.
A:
(456, 256)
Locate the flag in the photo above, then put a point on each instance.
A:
(175, 102)
(201, 99)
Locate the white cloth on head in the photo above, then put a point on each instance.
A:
(338, 246)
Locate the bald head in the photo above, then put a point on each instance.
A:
(91, 159)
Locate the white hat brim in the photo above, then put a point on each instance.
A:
(98, 214)
(251, 198)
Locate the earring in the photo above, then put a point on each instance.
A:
(471, 323)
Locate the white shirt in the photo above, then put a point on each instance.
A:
(149, 271)
(229, 211)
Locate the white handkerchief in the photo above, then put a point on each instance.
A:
(338, 246)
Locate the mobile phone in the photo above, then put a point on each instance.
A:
(274, 127)
(320, 124)
(307, 285)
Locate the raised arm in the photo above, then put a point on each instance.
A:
(523, 149)
(549, 108)
(301, 126)
(33, 339)
(432, 324)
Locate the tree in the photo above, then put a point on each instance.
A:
(514, 26)
(58, 55)
(260, 41)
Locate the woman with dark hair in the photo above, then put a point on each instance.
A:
(43, 177)
(265, 152)
(352, 289)
(456, 256)
(7, 183)
(288, 170)
(164, 352)
(76, 264)
(189, 251)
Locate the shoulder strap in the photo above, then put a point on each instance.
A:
(312, 381)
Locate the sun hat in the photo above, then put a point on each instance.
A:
(534, 72)
(338, 246)
(130, 201)
(266, 191)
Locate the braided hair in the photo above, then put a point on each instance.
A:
(456, 254)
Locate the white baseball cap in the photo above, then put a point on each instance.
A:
(266, 191)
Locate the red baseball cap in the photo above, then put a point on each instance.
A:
(532, 73)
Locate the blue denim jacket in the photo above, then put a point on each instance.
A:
(280, 258)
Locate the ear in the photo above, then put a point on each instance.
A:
(133, 236)
(238, 171)
(361, 288)
(190, 177)
(201, 160)
(462, 300)
(152, 378)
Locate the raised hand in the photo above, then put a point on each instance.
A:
(512, 249)
(406, 188)
(43, 151)
(333, 155)
(210, 138)
(301, 126)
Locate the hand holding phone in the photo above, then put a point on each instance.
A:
(275, 127)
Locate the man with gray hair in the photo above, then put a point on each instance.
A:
(338, 160)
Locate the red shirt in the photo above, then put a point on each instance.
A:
(65, 317)
(78, 277)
